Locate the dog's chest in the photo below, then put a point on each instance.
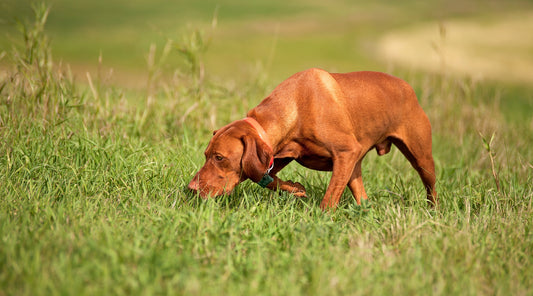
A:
(308, 154)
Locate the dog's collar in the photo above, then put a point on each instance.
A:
(267, 179)
(260, 130)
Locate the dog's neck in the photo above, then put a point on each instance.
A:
(260, 130)
(276, 124)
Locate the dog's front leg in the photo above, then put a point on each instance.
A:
(343, 166)
(294, 188)
(356, 184)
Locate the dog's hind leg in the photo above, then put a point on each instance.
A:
(415, 144)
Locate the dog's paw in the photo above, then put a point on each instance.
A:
(298, 189)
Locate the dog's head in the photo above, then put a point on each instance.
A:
(234, 154)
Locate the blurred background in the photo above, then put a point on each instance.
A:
(490, 40)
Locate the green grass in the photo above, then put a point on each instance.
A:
(284, 37)
(93, 199)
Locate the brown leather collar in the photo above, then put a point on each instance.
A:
(260, 130)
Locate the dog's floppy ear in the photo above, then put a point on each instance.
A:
(256, 157)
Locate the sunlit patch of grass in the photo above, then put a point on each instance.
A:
(493, 48)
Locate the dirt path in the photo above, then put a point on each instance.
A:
(497, 48)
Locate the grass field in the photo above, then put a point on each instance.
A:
(93, 173)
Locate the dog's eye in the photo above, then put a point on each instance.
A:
(219, 157)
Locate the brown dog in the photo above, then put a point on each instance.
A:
(326, 122)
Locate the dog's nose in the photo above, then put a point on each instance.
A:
(194, 185)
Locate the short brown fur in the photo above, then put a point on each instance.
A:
(327, 122)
